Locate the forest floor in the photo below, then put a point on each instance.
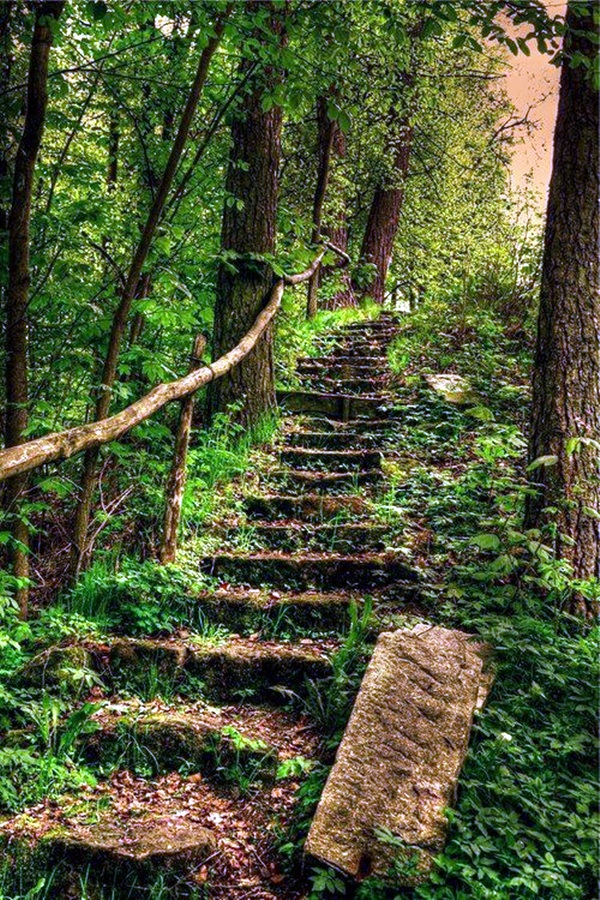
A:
(378, 504)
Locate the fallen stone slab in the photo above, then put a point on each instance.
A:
(398, 764)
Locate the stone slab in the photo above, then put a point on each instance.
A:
(398, 764)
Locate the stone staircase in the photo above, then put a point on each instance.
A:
(198, 803)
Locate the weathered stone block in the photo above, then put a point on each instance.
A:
(397, 767)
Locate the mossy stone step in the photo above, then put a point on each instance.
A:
(121, 855)
(248, 610)
(310, 507)
(219, 672)
(370, 361)
(337, 372)
(340, 538)
(331, 460)
(330, 482)
(327, 440)
(336, 406)
(361, 342)
(236, 668)
(202, 739)
(323, 571)
(376, 384)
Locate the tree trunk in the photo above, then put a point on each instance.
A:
(177, 475)
(566, 377)
(17, 293)
(248, 232)
(325, 127)
(384, 217)
(119, 324)
(336, 228)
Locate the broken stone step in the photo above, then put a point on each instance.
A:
(327, 440)
(157, 737)
(322, 571)
(310, 507)
(341, 538)
(336, 406)
(331, 482)
(121, 855)
(398, 765)
(331, 460)
(248, 610)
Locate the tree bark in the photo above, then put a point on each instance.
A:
(336, 228)
(325, 128)
(17, 293)
(119, 324)
(177, 476)
(248, 233)
(566, 377)
(384, 216)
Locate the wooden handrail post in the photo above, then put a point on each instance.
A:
(177, 476)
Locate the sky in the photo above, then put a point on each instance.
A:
(532, 83)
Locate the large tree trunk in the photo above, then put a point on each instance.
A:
(384, 216)
(79, 556)
(17, 293)
(248, 232)
(566, 378)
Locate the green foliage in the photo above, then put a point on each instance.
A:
(137, 598)
(329, 701)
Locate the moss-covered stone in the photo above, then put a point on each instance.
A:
(66, 667)
(397, 767)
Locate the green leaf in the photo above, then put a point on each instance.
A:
(549, 460)
(487, 541)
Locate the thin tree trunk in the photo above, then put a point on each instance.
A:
(17, 293)
(325, 127)
(384, 217)
(336, 228)
(248, 233)
(177, 475)
(566, 378)
(119, 324)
